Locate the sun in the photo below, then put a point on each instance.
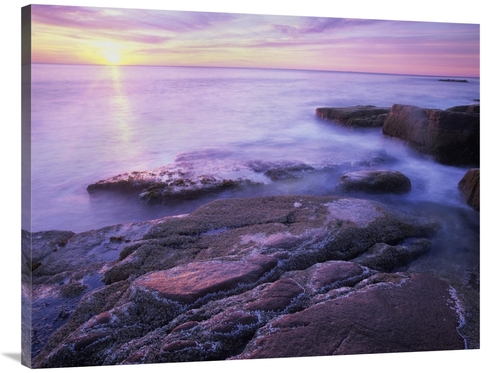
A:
(112, 56)
(108, 52)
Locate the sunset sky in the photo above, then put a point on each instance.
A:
(82, 35)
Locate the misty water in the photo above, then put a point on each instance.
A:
(94, 122)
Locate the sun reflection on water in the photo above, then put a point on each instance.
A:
(121, 108)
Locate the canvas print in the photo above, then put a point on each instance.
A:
(214, 186)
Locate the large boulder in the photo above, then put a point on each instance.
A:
(451, 137)
(469, 186)
(355, 116)
(374, 181)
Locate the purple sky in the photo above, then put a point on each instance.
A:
(63, 34)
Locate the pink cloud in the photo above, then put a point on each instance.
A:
(375, 43)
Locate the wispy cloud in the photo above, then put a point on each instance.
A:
(125, 20)
(316, 25)
(209, 38)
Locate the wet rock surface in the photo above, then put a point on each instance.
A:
(399, 313)
(189, 283)
(451, 137)
(65, 266)
(375, 181)
(193, 179)
(384, 257)
(469, 186)
(169, 184)
(473, 109)
(243, 278)
(355, 116)
(183, 179)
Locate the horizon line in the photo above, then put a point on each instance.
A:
(256, 68)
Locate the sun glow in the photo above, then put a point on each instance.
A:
(135, 37)
(110, 52)
(112, 56)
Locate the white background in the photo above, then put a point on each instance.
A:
(479, 11)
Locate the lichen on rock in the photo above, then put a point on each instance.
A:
(239, 274)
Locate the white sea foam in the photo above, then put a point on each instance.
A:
(460, 311)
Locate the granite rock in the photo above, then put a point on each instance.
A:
(374, 181)
(237, 277)
(451, 137)
(469, 186)
(355, 116)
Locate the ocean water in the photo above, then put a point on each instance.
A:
(94, 122)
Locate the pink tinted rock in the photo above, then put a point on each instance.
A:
(186, 326)
(334, 272)
(408, 313)
(188, 283)
(179, 345)
(229, 323)
(277, 296)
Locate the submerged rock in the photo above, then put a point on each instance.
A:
(355, 116)
(375, 181)
(451, 137)
(469, 186)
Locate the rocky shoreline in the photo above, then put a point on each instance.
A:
(451, 136)
(263, 276)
